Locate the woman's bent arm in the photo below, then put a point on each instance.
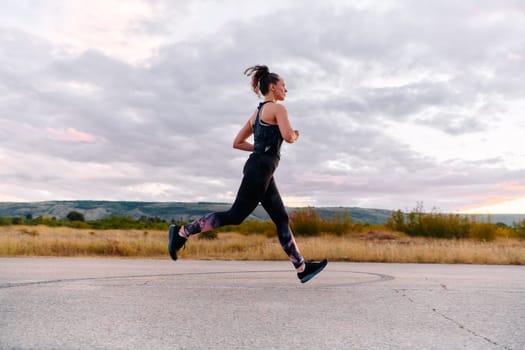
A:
(240, 141)
(287, 132)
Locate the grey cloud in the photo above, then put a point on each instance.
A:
(176, 117)
(455, 124)
(402, 102)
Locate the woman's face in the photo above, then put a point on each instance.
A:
(279, 90)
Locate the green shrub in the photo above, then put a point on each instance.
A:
(17, 221)
(249, 227)
(519, 228)
(211, 235)
(128, 223)
(257, 227)
(305, 222)
(75, 216)
(339, 224)
(438, 225)
(483, 231)
(5, 221)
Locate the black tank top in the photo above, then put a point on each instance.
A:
(267, 137)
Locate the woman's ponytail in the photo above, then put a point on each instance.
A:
(261, 79)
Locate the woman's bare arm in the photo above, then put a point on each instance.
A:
(287, 132)
(240, 141)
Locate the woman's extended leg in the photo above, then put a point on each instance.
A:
(273, 204)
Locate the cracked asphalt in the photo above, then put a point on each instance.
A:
(85, 303)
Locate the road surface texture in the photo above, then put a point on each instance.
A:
(77, 303)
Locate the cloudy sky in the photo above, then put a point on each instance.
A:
(398, 102)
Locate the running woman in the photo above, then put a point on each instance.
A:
(269, 125)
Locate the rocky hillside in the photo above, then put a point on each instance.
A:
(93, 210)
(168, 211)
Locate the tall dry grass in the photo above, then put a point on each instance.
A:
(64, 241)
(416, 250)
(371, 246)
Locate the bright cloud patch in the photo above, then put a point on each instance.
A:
(69, 135)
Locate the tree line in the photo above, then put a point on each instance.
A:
(76, 219)
(308, 222)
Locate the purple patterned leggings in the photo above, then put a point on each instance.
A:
(257, 186)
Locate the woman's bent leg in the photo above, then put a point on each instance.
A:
(234, 216)
(257, 177)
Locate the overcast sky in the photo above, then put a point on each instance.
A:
(397, 102)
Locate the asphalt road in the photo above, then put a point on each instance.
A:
(159, 304)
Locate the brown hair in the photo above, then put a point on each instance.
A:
(261, 79)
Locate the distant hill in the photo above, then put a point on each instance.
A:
(94, 210)
(168, 211)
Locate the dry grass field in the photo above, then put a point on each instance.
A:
(370, 246)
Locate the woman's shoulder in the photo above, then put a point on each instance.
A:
(277, 107)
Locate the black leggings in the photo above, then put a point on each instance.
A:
(257, 186)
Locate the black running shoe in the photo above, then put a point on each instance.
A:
(175, 241)
(311, 269)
